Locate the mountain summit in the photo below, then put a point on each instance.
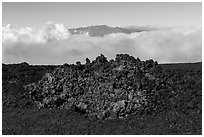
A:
(101, 30)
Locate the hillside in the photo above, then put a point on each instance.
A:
(181, 112)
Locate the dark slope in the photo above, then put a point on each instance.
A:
(21, 117)
(101, 30)
(183, 66)
(63, 122)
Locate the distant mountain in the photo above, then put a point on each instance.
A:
(101, 30)
(144, 28)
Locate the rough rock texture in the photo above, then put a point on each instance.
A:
(104, 89)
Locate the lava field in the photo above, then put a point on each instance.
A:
(121, 96)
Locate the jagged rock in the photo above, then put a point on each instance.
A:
(105, 89)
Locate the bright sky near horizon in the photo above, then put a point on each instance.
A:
(36, 14)
(38, 32)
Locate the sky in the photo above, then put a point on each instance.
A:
(113, 14)
(37, 33)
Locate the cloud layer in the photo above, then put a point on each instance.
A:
(28, 35)
(53, 44)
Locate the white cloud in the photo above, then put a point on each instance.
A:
(53, 45)
(28, 35)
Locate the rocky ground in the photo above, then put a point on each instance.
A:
(121, 96)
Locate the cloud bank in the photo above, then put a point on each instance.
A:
(28, 35)
(53, 44)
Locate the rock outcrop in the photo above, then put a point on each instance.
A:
(103, 89)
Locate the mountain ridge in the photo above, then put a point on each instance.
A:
(102, 30)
